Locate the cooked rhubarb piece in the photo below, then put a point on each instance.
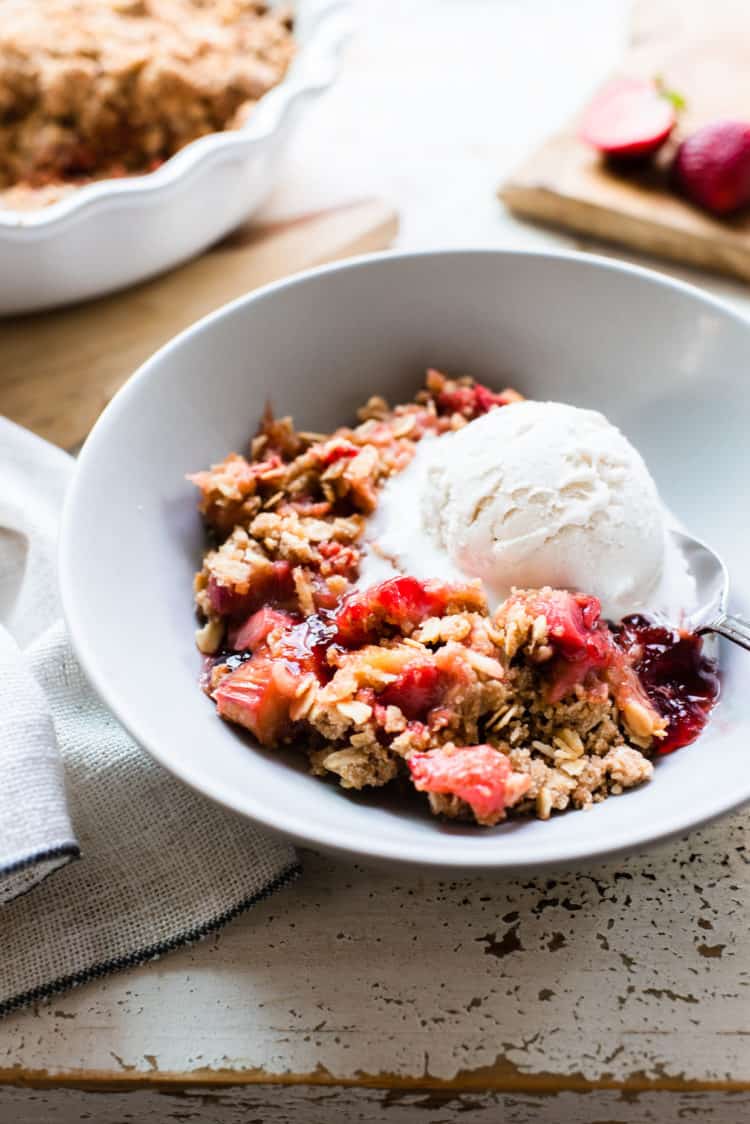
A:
(374, 665)
(256, 629)
(272, 582)
(478, 774)
(401, 603)
(258, 696)
(260, 693)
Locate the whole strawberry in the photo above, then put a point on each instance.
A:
(712, 167)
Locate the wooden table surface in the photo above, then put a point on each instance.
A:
(619, 994)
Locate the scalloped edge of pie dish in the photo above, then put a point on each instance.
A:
(326, 27)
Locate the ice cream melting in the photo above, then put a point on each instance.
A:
(533, 494)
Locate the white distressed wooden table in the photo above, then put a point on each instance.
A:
(615, 995)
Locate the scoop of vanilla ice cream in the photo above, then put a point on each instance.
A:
(541, 493)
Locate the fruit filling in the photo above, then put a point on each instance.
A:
(678, 678)
(534, 706)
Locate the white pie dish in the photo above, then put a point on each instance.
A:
(115, 232)
(661, 359)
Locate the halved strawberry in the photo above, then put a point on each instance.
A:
(478, 774)
(629, 117)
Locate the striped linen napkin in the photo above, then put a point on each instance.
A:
(106, 860)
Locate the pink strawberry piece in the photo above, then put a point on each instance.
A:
(407, 601)
(401, 602)
(580, 640)
(477, 774)
(416, 691)
(574, 626)
(629, 117)
(575, 629)
(712, 167)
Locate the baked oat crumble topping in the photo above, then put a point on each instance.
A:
(101, 88)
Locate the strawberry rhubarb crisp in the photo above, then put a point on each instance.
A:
(532, 704)
(100, 88)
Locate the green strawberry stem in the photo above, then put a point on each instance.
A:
(676, 100)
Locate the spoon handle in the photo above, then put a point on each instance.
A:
(734, 628)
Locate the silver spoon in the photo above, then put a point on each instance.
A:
(712, 585)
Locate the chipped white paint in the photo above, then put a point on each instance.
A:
(637, 970)
(634, 973)
(357, 1106)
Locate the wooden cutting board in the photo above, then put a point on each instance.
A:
(701, 49)
(59, 369)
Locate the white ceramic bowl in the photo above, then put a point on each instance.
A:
(662, 360)
(115, 232)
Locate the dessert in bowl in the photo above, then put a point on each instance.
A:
(660, 360)
(419, 599)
